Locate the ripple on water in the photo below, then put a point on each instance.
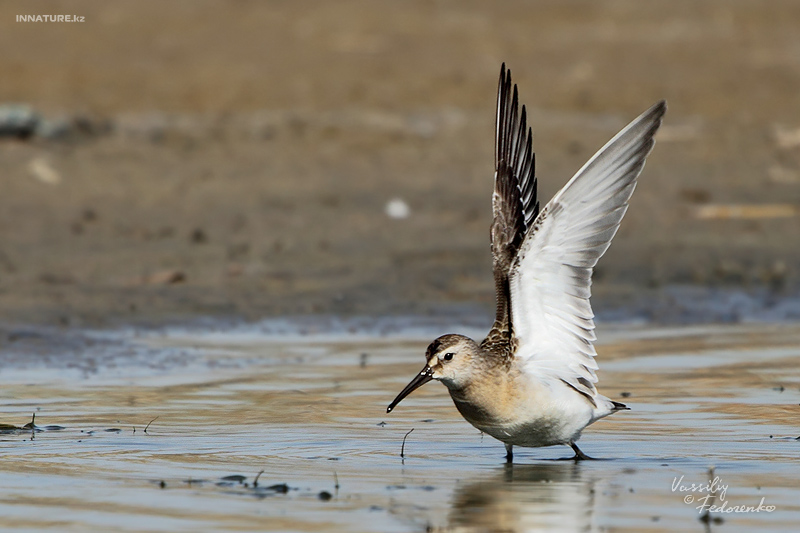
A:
(308, 413)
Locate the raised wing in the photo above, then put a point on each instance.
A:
(514, 202)
(550, 280)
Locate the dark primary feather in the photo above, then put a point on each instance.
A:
(514, 202)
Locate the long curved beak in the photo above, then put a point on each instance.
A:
(421, 379)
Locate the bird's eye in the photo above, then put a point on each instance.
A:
(448, 356)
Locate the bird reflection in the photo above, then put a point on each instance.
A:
(520, 498)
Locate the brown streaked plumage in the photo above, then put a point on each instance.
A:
(514, 203)
(531, 381)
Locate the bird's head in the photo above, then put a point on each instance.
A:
(450, 359)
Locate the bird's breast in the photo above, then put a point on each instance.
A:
(520, 412)
(488, 403)
(474, 413)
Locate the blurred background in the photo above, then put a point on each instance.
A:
(170, 160)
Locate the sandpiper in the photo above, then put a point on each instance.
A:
(531, 381)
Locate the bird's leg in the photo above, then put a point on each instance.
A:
(579, 455)
(509, 453)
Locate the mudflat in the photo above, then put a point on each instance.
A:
(241, 429)
(237, 159)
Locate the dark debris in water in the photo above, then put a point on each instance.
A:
(706, 518)
(236, 484)
(30, 426)
(403, 446)
(148, 424)
(238, 480)
(236, 477)
(259, 491)
(280, 488)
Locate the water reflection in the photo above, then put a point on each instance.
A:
(555, 496)
(309, 416)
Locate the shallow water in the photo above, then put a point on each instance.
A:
(308, 411)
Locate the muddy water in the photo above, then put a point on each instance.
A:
(308, 413)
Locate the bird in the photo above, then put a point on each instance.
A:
(532, 381)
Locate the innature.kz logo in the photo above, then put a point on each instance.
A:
(49, 18)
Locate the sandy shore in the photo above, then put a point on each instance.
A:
(237, 159)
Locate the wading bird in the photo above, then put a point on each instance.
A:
(531, 381)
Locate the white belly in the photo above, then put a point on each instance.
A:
(541, 416)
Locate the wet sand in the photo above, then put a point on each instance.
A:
(308, 411)
(236, 159)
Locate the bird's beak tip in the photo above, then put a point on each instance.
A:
(420, 379)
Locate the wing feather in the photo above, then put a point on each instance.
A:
(514, 202)
(550, 279)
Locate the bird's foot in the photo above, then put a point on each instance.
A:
(579, 455)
